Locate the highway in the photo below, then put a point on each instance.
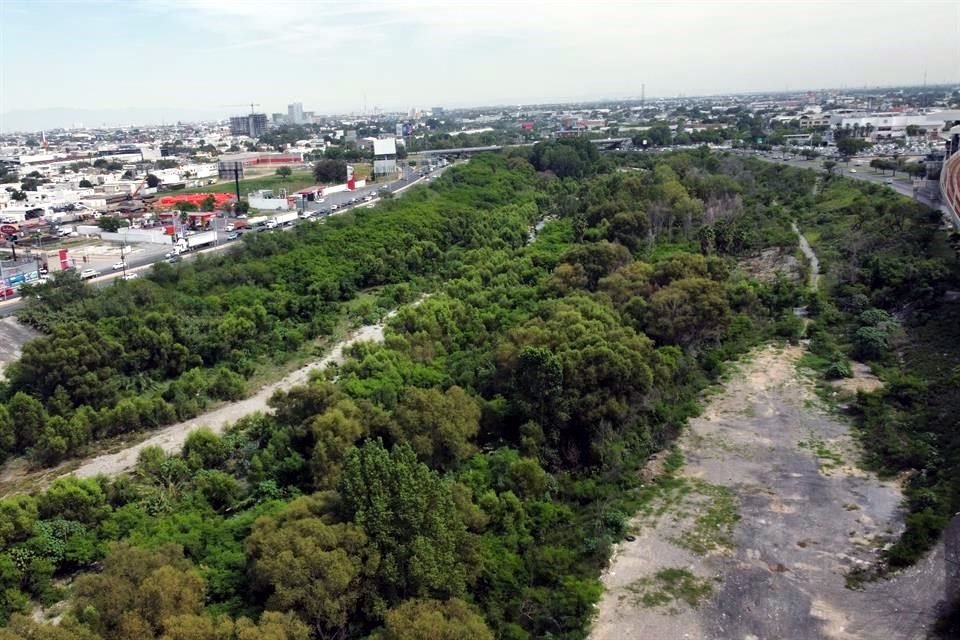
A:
(145, 256)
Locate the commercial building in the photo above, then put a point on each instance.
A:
(894, 124)
(295, 113)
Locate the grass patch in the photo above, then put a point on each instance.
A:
(671, 586)
(296, 181)
(712, 529)
(827, 458)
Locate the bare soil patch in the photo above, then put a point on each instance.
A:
(765, 266)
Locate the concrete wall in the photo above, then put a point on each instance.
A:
(339, 188)
(268, 204)
(152, 236)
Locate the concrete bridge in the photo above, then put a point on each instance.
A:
(606, 143)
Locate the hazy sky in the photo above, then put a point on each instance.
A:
(209, 54)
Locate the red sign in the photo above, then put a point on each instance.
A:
(351, 183)
(64, 261)
(9, 229)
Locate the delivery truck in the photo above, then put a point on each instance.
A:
(282, 219)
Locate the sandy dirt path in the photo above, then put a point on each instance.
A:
(767, 518)
(171, 438)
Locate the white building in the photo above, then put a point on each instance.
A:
(894, 124)
(295, 113)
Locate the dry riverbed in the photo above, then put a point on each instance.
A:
(754, 537)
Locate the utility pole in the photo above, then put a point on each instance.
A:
(123, 259)
(236, 178)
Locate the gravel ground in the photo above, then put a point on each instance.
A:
(13, 335)
(807, 516)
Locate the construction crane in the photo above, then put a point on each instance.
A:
(251, 105)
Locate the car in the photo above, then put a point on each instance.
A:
(168, 255)
(242, 216)
(130, 276)
(233, 235)
(119, 265)
(229, 227)
(334, 207)
(367, 198)
(86, 274)
(174, 259)
(853, 170)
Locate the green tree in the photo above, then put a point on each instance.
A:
(17, 517)
(8, 433)
(29, 418)
(330, 171)
(284, 172)
(453, 619)
(86, 184)
(153, 181)
(411, 517)
(688, 311)
(80, 499)
(111, 224)
(438, 425)
(303, 564)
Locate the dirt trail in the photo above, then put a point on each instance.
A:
(811, 256)
(767, 518)
(171, 438)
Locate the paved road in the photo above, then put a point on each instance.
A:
(144, 256)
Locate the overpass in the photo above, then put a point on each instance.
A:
(950, 188)
(466, 151)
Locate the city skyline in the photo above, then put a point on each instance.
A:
(196, 59)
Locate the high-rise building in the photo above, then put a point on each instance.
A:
(278, 118)
(252, 125)
(295, 113)
(258, 124)
(239, 125)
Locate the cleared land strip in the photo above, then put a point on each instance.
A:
(754, 538)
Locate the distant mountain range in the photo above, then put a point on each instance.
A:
(36, 119)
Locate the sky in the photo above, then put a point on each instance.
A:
(169, 59)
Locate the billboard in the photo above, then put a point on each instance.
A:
(351, 183)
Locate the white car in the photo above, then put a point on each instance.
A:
(119, 265)
(130, 276)
(86, 274)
